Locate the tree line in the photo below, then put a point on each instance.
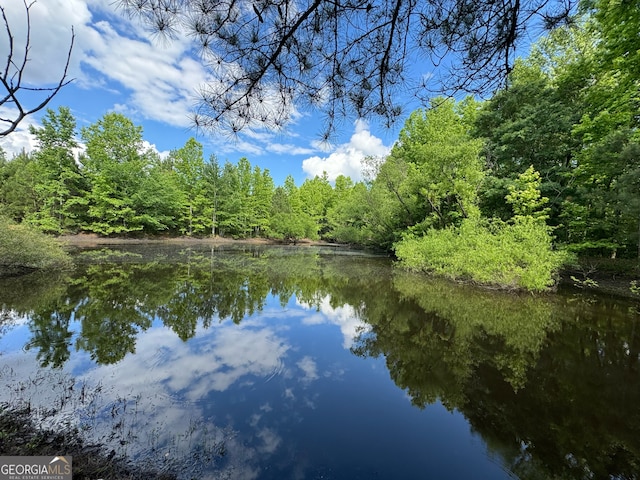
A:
(550, 161)
(119, 187)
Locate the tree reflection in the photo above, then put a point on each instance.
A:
(116, 295)
(552, 384)
(51, 334)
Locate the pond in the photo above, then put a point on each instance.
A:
(315, 362)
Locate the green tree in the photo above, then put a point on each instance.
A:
(230, 215)
(188, 163)
(604, 214)
(245, 184)
(432, 176)
(316, 196)
(525, 198)
(348, 217)
(288, 221)
(60, 185)
(159, 199)
(212, 186)
(444, 167)
(262, 190)
(18, 193)
(115, 166)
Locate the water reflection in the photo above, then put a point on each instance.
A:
(245, 361)
(552, 383)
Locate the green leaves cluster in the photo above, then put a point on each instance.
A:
(571, 111)
(445, 172)
(518, 255)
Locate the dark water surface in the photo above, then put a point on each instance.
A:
(295, 363)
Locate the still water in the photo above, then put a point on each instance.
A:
(301, 362)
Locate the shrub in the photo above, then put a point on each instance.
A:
(23, 248)
(517, 255)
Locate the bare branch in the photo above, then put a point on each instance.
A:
(12, 79)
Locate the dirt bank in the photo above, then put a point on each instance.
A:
(91, 239)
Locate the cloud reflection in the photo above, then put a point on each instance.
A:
(344, 317)
(165, 402)
(310, 369)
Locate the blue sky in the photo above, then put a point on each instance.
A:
(118, 66)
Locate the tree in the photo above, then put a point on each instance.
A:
(188, 162)
(159, 199)
(261, 196)
(525, 197)
(442, 162)
(60, 184)
(18, 180)
(316, 196)
(212, 184)
(230, 216)
(115, 167)
(288, 220)
(344, 56)
(13, 82)
(348, 216)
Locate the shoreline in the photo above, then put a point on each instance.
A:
(91, 239)
(615, 284)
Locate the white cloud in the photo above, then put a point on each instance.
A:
(20, 139)
(51, 26)
(346, 159)
(146, 146)
(161, 79)
(288, 149)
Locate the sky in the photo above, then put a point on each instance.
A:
(116, 65)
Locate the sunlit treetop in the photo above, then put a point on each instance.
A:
(364, 58)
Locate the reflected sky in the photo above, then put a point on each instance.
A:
(279, 395)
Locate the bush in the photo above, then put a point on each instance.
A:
(23, 249)
(517, 255)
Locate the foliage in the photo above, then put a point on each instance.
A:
(115, 167)
(432, 176)
(516, 255)
(525, 198)
(456, 242)
(188, 165)
(559, 147)
(288, 219)
(23, 248)
(60, 187)
(443, 162)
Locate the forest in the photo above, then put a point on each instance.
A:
(504, 190)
